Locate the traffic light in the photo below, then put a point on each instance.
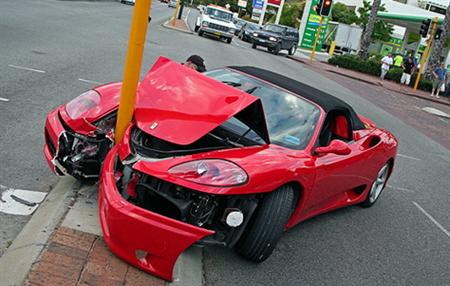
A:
(323, 8)
(438, 33)
(425, 27)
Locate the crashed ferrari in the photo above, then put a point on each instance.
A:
(232, 157)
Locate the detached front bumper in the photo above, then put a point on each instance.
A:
(147, 240)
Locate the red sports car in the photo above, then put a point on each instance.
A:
(231, 157)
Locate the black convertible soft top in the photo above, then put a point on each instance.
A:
(328, 102)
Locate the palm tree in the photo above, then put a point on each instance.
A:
(438, 45)
(367, 35)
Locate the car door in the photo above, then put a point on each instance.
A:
(339, 178)
(284, 39)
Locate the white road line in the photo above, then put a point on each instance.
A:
(408, 157)
(4, 99)
(432, 219)
(400, 189)
(89, 81)
(25, 68)
(20, 202)
(187, 15)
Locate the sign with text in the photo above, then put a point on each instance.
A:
(312, 25)
(274, 2)
(258, 4)
(242, 3)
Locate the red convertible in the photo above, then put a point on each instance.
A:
(231, 157)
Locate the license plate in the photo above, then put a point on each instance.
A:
(217, 33)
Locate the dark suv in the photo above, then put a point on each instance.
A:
(276, 38)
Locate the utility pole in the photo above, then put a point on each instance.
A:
(175, 14)
(426, 53)
(133, 62)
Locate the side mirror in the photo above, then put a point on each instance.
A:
(336, 146)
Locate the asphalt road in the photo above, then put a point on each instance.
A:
(403, 240)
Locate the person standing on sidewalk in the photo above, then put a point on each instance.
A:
(386, 64)
(439, 78)
(398, 60)
(408, 69)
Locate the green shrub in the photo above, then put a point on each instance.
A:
(372, 66)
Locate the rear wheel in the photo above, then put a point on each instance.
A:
(229, 40)
(292, 49)
(253, 46)
(377, 186)
(267, 225)
(196, 28)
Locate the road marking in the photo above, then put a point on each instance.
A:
(25, 68)
(89, 81)
(20, 202)
(4, 99)
(432, 219)
(436, 111)
(400, 189)
(408, 157)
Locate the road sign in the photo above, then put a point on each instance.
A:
(258, 4)
(274, 2)
(311, 27)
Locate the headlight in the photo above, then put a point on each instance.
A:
(205, 24)
(212, 172)
(273, 39)
(255, 34)
(231, 31)
(81, 104)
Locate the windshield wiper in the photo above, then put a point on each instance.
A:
(251, 90)
(232, 83)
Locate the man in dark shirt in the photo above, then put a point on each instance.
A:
(408, 69)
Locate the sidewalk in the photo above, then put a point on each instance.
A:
(387, 84)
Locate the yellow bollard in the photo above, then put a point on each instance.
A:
(133, 62)
(313, 52)
(175, 15)
(332, 47)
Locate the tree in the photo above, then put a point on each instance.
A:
(372, 28)
(342, 14)
(438, 45)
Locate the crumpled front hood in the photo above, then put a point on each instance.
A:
(180, 105)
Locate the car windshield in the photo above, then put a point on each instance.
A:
(274, 29)
(219, 14)
(291, 120)
(252, 27)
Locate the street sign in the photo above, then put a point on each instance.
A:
(274, 2)
(242, 3)
(258, 4)
(311, 27)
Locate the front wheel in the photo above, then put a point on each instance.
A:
(253, 46)
(377, 186)
(267, 225)
(292, 50)
(200, 33)
(229, 40)
(276, 49)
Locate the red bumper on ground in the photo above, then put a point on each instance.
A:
(144, 239)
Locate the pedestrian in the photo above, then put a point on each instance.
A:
(439, 78)
(196, 62)
(386, 64)
(398, 60)
(408, 69)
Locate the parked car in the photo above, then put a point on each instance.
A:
(172, 3)
(238, 23)
(128, 2)
(247, 30)
(216, 21)
(241, 156)
(276, 38)
(164, 1)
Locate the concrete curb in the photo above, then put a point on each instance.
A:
(166, 25)
(18, 259)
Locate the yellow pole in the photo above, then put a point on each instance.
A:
(426, 53)
(313, 52)
(332, 47)
(133, 62)
(176, 13)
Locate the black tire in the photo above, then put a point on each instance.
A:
(196, 29)
(229, 40)
(253, 46)
(372, 195)
(200, 33)
(267, 225)
(276, 49)
(269, 49)
(292, 50)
